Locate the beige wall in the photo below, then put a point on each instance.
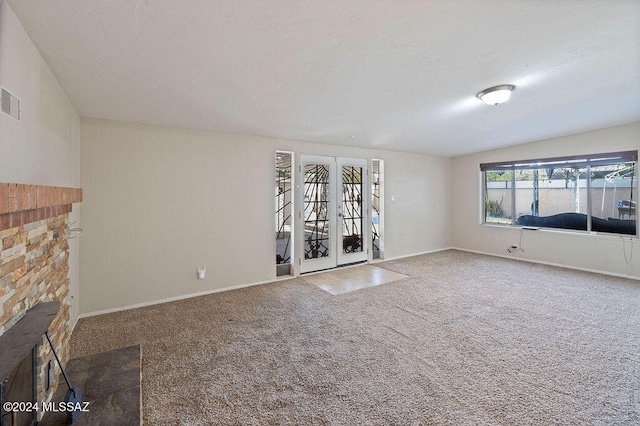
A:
(44, 147)
(160, 201)
(594, 252)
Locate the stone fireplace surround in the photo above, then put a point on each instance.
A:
(34, 268)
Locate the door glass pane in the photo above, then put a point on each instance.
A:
(316, 211)
(283, 213)
(352, 232)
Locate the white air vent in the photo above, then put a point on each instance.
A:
(10, 104)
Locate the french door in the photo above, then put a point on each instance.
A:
(334, 205)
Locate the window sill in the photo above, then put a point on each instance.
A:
(571, 232)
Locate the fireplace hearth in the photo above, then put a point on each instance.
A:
(18, 365)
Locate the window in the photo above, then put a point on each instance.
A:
(583, 193)
(283, 212)
(376, 208)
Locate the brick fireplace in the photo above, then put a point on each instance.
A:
(34, 268)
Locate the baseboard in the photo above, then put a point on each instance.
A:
(176, 298)
(542, 262)
(218, 290)
(410, 255)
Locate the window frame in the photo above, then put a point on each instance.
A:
(586, 161)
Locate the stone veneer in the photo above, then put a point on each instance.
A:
(34, 252)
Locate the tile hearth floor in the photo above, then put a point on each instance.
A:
(345, 280)
(110, 382)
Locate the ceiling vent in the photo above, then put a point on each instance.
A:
(10, 104)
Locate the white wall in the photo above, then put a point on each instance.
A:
(610, 254)
(160, 201)
(44, 147)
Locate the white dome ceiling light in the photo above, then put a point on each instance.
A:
(497, 94)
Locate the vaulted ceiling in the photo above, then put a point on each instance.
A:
(389, 74)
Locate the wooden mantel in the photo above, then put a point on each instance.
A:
(21, 204)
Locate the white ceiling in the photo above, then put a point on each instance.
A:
(390, 74)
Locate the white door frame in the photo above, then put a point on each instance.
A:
(335, 255)
(329, 260)
(342, 240)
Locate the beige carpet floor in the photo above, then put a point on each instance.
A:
(465, 339)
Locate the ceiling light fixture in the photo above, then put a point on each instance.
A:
(497, 94)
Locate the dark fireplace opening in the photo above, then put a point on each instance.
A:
(20, 387)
